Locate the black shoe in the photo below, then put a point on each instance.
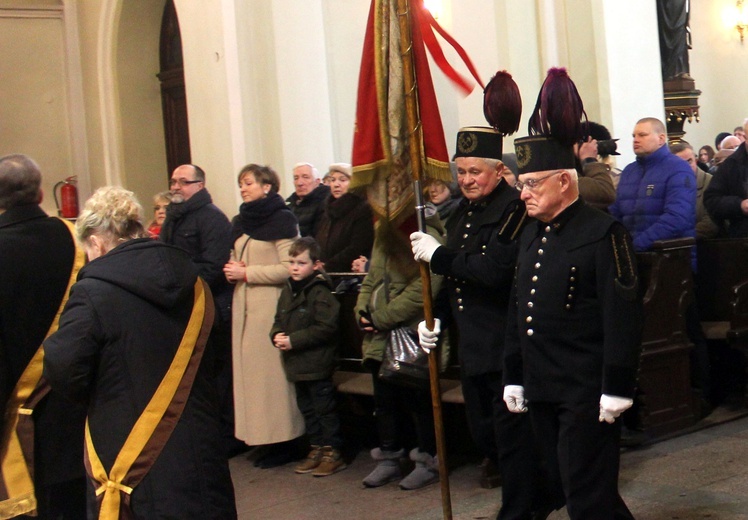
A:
(489, 474)
(542, 514)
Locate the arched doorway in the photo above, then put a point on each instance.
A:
(173, 97)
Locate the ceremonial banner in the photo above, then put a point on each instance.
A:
(381, 160)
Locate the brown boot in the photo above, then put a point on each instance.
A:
(311, 461)
(331, 462)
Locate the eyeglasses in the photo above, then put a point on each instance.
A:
(182, 182)
(531, 184)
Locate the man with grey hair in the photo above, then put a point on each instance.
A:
(39, 260)
(307, 201)
(573, 332)
(726, 198)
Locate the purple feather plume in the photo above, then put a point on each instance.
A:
(559, 110)
(502, 103)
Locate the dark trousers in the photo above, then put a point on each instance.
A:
(61, 501)
(509, 436)
(316, 402)
(391, 402)
(220, 345)
(582, 455)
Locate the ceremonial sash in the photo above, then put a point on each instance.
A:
(17, 444)
(157, 422)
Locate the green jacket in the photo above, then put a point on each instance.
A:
(391, 256)
(310, 319)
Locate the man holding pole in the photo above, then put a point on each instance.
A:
(478, 264)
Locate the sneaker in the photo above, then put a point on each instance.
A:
(330, 462)
(310, 462)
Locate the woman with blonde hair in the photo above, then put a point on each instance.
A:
(129, 347)
(160, 201)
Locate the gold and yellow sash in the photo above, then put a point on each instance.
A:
(17, 444)
(158, 420)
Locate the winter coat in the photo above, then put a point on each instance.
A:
(36, 259)
(346, 231)
(265, 409)
(310, 319)
(118, 336)
(393, 258)
(200, 228)
(705, 226)
(309, 209)
(727, 190)
(656, 199)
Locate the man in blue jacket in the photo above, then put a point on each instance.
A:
(656, 198)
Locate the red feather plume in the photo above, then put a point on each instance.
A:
(502, 103)
(559, 109)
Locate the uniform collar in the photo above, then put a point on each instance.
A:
(560, 221)
(21, 214)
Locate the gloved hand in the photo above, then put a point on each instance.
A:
(514, 397)
(611, 406)
(428, 338)
(423, 246)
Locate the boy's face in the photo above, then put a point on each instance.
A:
(302, 266)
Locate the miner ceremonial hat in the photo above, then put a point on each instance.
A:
(479, 141)
(502, 107)
(557, 123)
(538, 153)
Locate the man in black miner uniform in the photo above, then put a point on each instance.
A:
(574, 331)
(478, 265)
(37, 262)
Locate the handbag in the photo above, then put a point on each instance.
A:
(404, 362)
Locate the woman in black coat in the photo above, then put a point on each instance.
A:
(121, 335)
(346, 229)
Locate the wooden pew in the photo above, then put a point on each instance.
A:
(722, 289)
(666, 398)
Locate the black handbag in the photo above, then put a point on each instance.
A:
(404, 361)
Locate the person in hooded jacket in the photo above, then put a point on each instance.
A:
(305, 331)
(137, 311)
(265, 407)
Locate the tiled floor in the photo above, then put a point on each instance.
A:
(703, 475)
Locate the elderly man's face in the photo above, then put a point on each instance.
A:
(304, 181)
(183, 184)
(476, 177)
(542, 193)
(647, 140)
(688, 156)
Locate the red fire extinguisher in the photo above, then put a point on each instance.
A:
(69, 197)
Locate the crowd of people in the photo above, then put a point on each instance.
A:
(192, 338)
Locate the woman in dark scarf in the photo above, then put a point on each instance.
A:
(264, 401)
(346, 230)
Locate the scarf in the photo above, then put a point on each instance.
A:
(175, 212)
(266, 219)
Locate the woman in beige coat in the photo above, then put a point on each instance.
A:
(264, 401)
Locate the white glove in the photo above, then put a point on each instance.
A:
(514, 397)
(423, 246)
(428, 338)
(611, 406)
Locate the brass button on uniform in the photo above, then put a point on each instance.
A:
(532, 291)
(460, 308)
(547, 229)
(535, 278)
(528, 319)
(468, 225)
(458, 290)
(537, 265)
(544, 240)
(529, 305)
(530, 332)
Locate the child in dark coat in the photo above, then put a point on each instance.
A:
(305, 329)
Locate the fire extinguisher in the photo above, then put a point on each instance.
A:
(69, 197)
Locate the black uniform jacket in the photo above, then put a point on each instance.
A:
(478, 265)
(575, 320)
(36, 259)
(118, 335)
